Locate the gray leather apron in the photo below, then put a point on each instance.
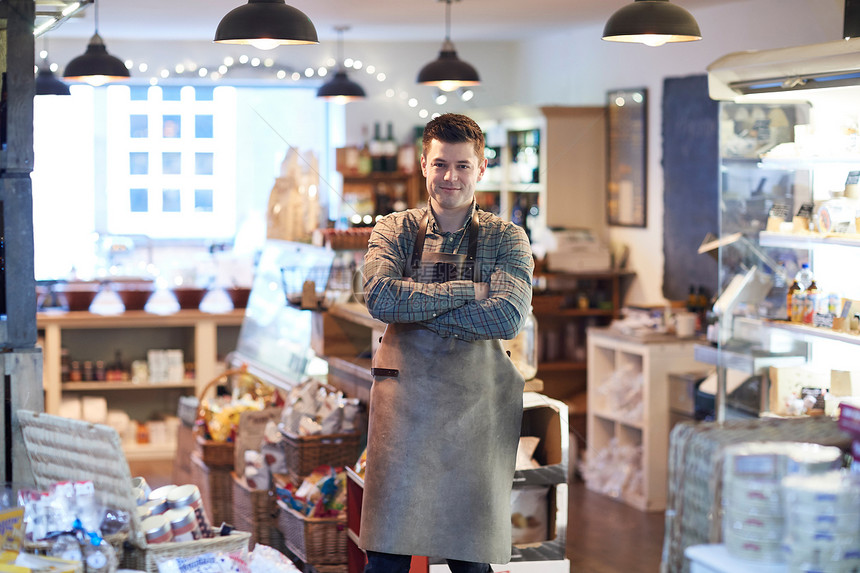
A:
(445, 419)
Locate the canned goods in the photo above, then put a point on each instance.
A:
(188, 495)
(157, 529)
(139, 495)
(183, 523)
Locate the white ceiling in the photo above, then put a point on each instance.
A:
(382, 20)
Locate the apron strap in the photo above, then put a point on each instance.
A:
(471, 256)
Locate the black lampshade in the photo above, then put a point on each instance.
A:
(266, 24)
(96, 66)
(48, 84)
(448, 72)
(341, 89)
(651, 22)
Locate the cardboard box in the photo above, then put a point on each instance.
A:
(547, 419)
(682, 391)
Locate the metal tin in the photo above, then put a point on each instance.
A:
(156, 506)
(140, 496)
(157, 529)
(143, 511)
(161, 492)
(189, 495)
(183, 522)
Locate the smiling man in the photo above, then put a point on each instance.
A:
(450, 281)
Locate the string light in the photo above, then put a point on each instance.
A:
(234, 65)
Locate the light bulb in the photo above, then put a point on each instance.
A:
(448, 85)
(264, 43)
(653, 40)
(96, 81)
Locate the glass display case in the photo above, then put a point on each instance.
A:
(789, 165)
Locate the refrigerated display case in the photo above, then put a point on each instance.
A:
(789, 159)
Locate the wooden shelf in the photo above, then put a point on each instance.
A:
(149, 452)
(108, 386)
(562, 365)
(135, 319)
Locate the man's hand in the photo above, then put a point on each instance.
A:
(482, 291)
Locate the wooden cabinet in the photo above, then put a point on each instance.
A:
(202, 337)
(628, 413)
(554, 157)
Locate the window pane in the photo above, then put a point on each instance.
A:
(203, 163)
(138, 163)
(203, 126)
(139, 200)
(170, 201)
(172, 126)
(139, 126)
(138, 93)
(203, 200)
(171, 163)
(171, 93)
(205, 93)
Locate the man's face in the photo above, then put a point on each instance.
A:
(452, 171)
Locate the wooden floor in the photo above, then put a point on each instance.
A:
(603, 535)
(607, 536)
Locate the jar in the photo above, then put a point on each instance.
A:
(157, 529)
(183, 523)
(188, 495)
(523, 348)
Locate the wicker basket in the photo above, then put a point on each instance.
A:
(318, 541)
(696, 452)
(306, 453)
(61, 449)
(255, 511)
(185, 446)
(216, 490)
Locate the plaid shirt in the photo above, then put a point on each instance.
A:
(449, 308)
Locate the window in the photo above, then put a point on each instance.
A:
(180, 190)
(185, 161)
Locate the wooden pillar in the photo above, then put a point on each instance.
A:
(21, 360)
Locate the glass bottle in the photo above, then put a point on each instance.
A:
(523, 348)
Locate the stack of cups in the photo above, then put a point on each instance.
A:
(822, 515)
(753, 520)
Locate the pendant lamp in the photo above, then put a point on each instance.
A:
(653, 23)
(448, 72)
(266, 24)
(340, 89)
(46, 82)
(96, 67)
(49, 84)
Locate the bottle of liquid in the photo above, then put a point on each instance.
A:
(790, 302)
(692, 300)
(365, 162)
(377, 151)
(390, 150)
(804, 276)
(811, 303)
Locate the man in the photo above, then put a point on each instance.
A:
(450, 281)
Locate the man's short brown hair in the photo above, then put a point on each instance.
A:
(454, 128)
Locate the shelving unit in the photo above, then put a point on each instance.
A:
(562, 323)
(644, 423)
(203, 338)
(569, 183)
(379, 191)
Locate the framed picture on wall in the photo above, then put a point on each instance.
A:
(627, 125)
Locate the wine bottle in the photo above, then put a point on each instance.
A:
(377, 151)
(390, 150)
(365, 162)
